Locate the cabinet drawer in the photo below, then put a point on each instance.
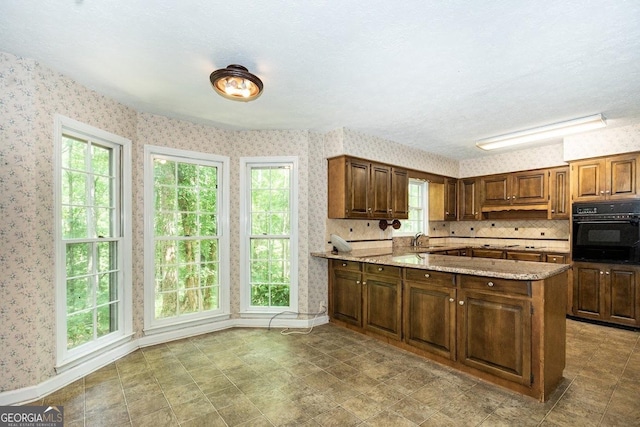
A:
(385, 270)
(496, 285)
(557, 258)
(431, 277)
(487, 253)
(345, 265)
(526, 256)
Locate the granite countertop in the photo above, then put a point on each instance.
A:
(500, 268)
(447, 247)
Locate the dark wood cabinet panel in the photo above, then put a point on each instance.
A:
(605, 178)
(430, 317)
(529, 187)
(468, 199)
(399, 193)
(346, 293)
(496, 190)
(560, 207)
(622, 299)
(607, 292)
(494, 335)
(450, 199)
(380, 191)
(487, 253)
(362, 189)
(383, 305)
(526, 256)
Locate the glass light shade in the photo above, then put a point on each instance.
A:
(236, 83)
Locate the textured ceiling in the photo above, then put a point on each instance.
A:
(435, 75)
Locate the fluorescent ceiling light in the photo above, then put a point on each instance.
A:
(543, 132)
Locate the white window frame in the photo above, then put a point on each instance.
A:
(65, 358)
(151, 324)
(425, 209)
(246, 163)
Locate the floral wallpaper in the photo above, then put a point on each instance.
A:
(602, 142)
(30, 96)
(512, 161)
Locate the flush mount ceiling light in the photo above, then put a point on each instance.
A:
(237, 83)
(544, 132)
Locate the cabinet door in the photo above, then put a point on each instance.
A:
(588, 180)
(383, 305)
(530, 187)
(346, 296)
(357, 189)
(399, 193)
(450, 199)
(380, 188)
(494, 335)
(621, 177)
(559, 193)
(468, 204)
(621, 296)
(430, 318)
(496, 190)
(588, 290)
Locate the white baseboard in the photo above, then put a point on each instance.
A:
(38, 391)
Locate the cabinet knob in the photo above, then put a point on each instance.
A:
(390, 210)
(357, 282)
(364, 283)
(446, 213)
(514, 196)
(602, 272)
(380, 268)
(451, 300)
(490, 284)
(553, 258)
(553, 211)
(601, 192)
(427, 275)
(607, 192)
(607, 273)
(461, 302)
(369, 209)
(344, 264)
(508, 197)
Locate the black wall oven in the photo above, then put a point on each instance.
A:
(606, 232)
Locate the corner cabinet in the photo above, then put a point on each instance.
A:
(605, 178)
(362, 189)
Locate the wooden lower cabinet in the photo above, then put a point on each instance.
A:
(430, 312)
(508, 332)
(526, 256)
(382, 296)
(345, 296)
(607, 292)
(494, 335)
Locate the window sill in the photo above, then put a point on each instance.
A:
(74, 361)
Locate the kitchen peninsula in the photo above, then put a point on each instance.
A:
(500, 320)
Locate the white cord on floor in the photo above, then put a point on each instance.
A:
(287, 331)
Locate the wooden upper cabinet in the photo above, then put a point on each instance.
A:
(468, 199)
(559, 206)
(399, 193)
(530, 187)
(380, 190)
(450, 199)
(496, 189)
(362, 189)
(605, 178)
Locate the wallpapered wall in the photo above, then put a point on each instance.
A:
(603, 142)
(30, 96)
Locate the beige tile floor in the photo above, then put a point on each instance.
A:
(335, 377)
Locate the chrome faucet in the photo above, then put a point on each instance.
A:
(414, 241)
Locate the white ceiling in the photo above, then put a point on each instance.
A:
(435, 75)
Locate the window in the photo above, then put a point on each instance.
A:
(186, 244)
(418, 212)
(269, 235)
(93, 243)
